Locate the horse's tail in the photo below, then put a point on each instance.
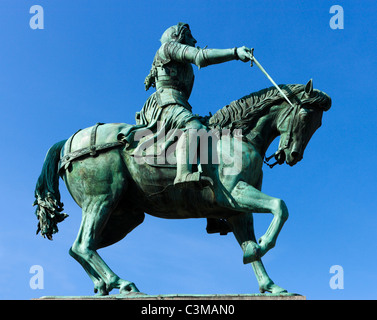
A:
(47, 194)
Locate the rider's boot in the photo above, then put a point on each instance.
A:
(185, 177)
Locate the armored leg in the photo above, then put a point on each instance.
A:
(187, 147)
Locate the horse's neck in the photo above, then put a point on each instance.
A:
(264, 132)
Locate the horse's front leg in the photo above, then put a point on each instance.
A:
(249, 199)
(243, 229)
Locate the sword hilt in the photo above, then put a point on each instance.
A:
(251, 57)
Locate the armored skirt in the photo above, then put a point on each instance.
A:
(156, 126)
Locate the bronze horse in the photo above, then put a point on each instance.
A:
(115, 190)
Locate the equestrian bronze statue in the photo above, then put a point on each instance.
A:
(176, 165)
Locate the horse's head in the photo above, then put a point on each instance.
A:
(297, 124)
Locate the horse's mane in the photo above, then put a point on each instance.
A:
(244, 113)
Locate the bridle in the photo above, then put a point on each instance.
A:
(293, 109)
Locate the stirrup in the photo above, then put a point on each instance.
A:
(194, 179)
(218, 226)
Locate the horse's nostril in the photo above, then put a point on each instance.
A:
(295, 155)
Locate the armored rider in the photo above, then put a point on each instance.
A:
(173, 77)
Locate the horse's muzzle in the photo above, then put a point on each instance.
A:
(293, 156)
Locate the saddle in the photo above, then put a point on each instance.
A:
(141, 149)
(152, 148)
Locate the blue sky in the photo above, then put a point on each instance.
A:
(88, 65)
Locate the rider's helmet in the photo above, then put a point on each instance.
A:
(175, 33)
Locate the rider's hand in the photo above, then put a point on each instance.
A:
(245, 54)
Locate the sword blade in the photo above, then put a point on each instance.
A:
(272, 80)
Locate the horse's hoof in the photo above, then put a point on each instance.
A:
(101, 292)
(272, 288)
(128, 288)
(251, 252)
(100, 289)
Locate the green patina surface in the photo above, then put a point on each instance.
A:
(112, 175)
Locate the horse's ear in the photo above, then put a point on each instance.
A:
(309, 88)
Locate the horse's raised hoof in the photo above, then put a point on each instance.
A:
(251, 252)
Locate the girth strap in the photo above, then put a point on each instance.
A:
(92, 150)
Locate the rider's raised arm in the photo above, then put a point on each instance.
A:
(204, 57)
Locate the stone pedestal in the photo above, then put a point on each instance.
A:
(175, 297)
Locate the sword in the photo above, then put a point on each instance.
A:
(252, 58)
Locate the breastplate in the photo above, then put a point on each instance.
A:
(174, 82)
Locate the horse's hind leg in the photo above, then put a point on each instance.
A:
(121, 222)
(82, 249)
(243, 229)
(96, 212)
(99, 284)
